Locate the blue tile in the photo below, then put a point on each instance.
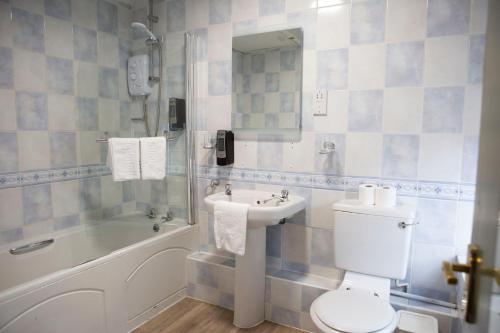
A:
(62, 149)
(66, 222)
(219, 11)
(400, 156)
(176, 15)
(308, 295)
(85, 44)
(6, 69)
(443, 110)
(365, 111)
(108, 82)
(31, 109)
(125, 116)
(8, 152)
(284, 316)
(437, 221)
(368, 22)
(87, 114)
(476, 59)
(219, 76)
(287, 60)
(90, 194)
(176, 81)
(226, 300)
(258, 63)
(206, 274)
(447, 17)
(257, 103)
(109, 212)
(271, 7)
(272, 82)
(37, 203)
(470, 159)
(273, 241)
(11, 235)
(272, 120)
(60, 75)
(443, 295)
(128, 190)
(333, 163)
(270, 152)
(58, 8)
(202, 48)
(287, 102)
(246, 83)
(107, 17)
(244, 27)
(322, 247)
(28, 30)
(404, 64)
(331, 69)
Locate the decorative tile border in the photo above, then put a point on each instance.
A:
(26, 178)
(433, 190)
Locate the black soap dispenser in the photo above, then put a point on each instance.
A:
(225, 147)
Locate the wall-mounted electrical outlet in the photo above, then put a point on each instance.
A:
(320, 102)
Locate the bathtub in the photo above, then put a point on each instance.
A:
(110, 277)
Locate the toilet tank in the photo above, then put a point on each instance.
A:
(372, 240)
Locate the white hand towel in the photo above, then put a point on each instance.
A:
(230, 226)
(153, 157)
(124, 158)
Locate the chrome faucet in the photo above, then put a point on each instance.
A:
(228, 189)
(281, 198)
(152, 213)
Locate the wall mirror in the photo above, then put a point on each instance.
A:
(267, 81)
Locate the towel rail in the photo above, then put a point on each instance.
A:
(105, 139)
(31, 247)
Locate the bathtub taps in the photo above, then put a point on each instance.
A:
(228, 189)
(169, 216)
(152, 213)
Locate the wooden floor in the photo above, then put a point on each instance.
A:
(191, 316)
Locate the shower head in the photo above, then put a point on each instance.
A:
(141, 27)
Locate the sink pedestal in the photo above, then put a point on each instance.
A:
(250, 281)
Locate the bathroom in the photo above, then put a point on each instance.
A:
(291, 109)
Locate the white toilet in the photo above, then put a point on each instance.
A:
(372, 245)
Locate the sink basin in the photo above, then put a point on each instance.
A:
(260, 212)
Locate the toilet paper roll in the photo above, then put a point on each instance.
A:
(366, 194)
(385, 196)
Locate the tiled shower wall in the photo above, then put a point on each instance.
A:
(404, 93)
(62, 86)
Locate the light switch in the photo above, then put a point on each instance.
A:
(320, 102)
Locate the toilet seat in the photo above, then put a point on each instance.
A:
(353, 310)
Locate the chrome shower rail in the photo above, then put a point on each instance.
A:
(31, 247)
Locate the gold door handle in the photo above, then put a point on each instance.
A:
(473, 269)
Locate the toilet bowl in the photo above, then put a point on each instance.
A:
(372, 245)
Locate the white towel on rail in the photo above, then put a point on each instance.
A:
(124, 159)
(153, 157)
(230, 226)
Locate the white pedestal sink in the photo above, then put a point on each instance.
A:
(250, 277)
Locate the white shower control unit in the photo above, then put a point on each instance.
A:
(138, 75)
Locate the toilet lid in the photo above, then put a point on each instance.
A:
(357, 311)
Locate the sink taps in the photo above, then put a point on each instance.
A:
(228, 189)
(281, 198)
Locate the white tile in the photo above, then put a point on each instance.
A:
(321, 207)
(86, 79)
(61, 112)
(478, 16)
(333, 19)
(88, 151)
(111, 192)
(446, 61)
(463, 230)
(286, 294)
(34, 151)
(84, 13)
(472, 110)
(35, 6)
(37, 229)
(336, 119)
(219, 42)
(11, 208)
(65, 198)
(406, 20)
(123, 86)
(299, 156)
(272, 21)
(427, 261)
(107, 50)
(403, 110)
(202, 222)
(297, 239)
(367, 66)
(58, 38)
(6, 26)
(218, 113)
(243, 10)
(440, 157)
(29, 71)
(298, 5)
(245, 154)
(9, 117)
(363, 155)
(309, 71)
(109, 114)
(196, 14)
